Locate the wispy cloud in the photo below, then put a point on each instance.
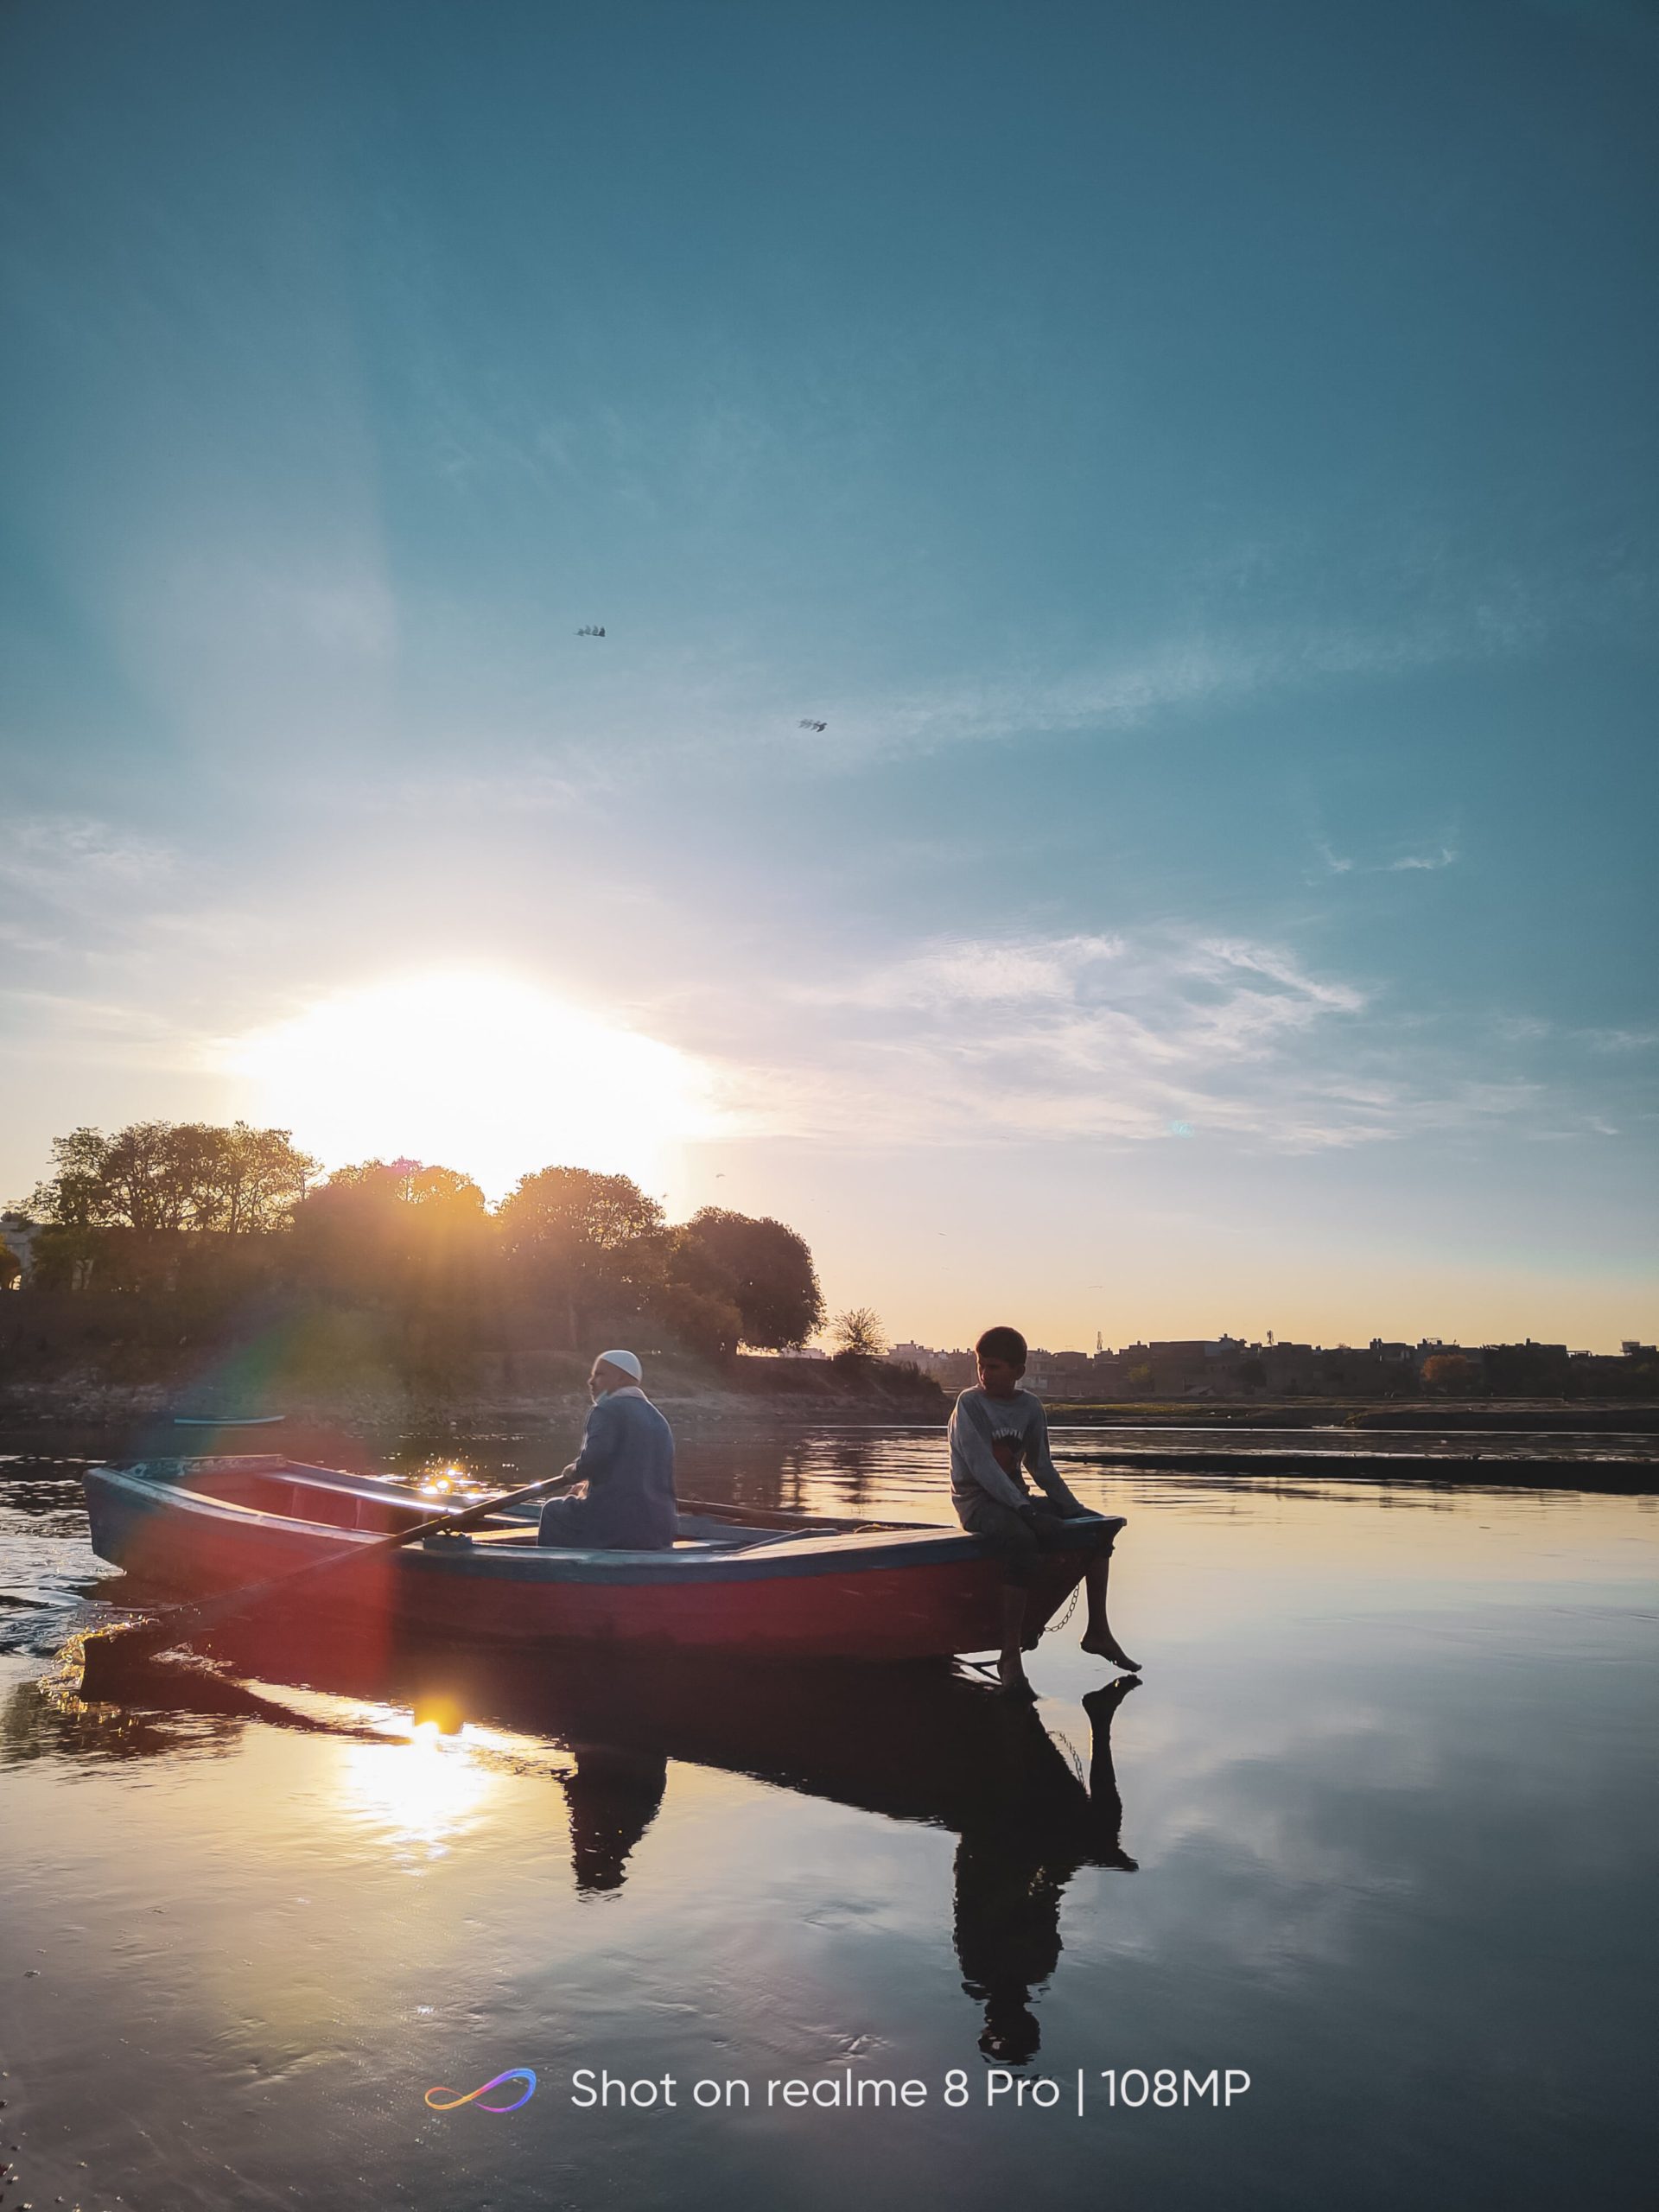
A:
(86, 1031)
(1444, 858)
(59, 857)
(1621, 1041)
(1443, 854)
(1117, 1039)
(975, 972)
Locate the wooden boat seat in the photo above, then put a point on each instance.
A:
(527, 1537)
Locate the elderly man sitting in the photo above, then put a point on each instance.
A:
(626, 1465)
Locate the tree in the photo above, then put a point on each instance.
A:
(586, 1240)
(444, 1190)
(345, 1235)
(73, 1197)
(254, 1179)
(1449, 1371)
(10, 1266)
(573, 1211)
(700, 1321)
(173, 1175)
(858, 1333)
(758, 1265)
(393, 1228)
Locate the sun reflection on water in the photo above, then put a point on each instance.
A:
(421, 1793)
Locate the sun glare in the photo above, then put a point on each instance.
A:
(417, 1795)
(479, 1072)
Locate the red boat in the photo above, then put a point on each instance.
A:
(737, 1581)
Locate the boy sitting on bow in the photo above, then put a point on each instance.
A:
(996, 1429)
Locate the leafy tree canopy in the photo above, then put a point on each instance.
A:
(408, 1182)
(759, 1266)
(568, 1212)
(858, 1333)
(1448, 1371)
(171, 1175)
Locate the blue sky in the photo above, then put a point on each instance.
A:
(1198, 460)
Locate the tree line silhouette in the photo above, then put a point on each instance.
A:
(206, 1215)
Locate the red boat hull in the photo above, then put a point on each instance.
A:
(868, 1595)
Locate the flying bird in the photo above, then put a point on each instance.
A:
(819, 727)
(591, 629)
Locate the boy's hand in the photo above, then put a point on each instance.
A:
(1044, 1524)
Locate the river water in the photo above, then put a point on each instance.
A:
(1376, 1831)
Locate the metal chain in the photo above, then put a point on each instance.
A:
(1072, 1607)
(1061, 1741)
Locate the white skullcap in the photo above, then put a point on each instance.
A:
(625, 1360)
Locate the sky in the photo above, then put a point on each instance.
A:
(1196, 461)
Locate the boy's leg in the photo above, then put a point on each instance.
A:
(1105, 1803)
(1016, 1547)
(1097, 1632)
(1010, 1664)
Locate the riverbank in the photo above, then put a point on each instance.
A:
(1594, 1416)
(76, 1413)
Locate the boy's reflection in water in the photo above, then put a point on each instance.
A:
(1019, 1849)
(1028, 1822)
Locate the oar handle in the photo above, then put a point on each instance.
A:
(468, 1516)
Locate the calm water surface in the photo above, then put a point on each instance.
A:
(1378, 1829)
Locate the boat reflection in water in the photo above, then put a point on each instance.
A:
(925, 1743)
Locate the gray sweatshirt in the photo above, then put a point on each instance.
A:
(977, 1422)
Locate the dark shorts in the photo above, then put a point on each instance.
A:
(1012, 1537)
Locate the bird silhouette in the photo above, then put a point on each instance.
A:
(819, 727)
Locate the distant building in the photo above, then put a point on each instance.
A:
(1229, 1366)
(951, 1370)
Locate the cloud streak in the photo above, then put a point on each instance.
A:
(1443, 855)
(1444, 858)
(64, 858)
(967, 1040)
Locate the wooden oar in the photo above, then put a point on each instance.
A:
(107, 1651)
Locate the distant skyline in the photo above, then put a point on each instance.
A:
(1197, 463)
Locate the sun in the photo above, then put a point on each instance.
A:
(483, 1072)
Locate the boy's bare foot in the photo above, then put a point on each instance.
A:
(1105, 1645)
(1011, 1679)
